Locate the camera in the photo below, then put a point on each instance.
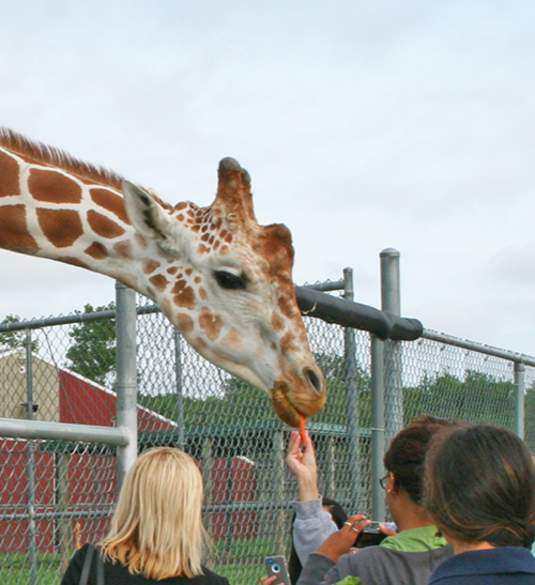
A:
(372, 535)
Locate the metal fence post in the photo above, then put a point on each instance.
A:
(390, 303)
(350, 377)
(126, 384)
(520, 384)
(378, 426)
(32, 526)
(178, 386)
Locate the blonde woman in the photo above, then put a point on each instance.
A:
(156, 533)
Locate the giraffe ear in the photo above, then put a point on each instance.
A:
(146, 215)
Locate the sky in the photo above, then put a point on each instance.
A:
(364, 125)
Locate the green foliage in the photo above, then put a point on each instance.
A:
(13, 339)
(478, 398)
(338, 408)
(92, 353)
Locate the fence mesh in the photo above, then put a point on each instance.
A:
(57, 495)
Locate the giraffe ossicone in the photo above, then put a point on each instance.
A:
(221, 278)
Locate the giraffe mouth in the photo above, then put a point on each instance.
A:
(283, 406)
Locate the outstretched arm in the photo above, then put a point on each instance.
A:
(312, 523)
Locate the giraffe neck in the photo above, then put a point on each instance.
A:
(49, 212)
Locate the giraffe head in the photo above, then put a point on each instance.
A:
(226, 283)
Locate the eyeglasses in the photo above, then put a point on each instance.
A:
(383, 480)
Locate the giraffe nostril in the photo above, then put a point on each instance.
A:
(313, 378)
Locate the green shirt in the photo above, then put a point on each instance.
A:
(415, 540)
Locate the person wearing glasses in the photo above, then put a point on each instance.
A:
(404, 558)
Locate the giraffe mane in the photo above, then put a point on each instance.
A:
(51, 155)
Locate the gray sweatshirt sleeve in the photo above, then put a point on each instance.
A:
(319, 570)
(312, 526)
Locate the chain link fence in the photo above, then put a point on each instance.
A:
(57, 494)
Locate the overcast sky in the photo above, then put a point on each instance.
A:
(364, 125)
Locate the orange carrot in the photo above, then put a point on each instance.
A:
(302, 431)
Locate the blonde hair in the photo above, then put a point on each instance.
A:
(156, 529)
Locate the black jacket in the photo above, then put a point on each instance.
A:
(117, 574)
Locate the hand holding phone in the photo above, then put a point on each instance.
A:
(276, 566)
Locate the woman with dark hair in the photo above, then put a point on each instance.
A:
(406, 558)
(480, 490)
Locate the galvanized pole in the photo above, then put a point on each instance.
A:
(126, 384)
(350, 377)
(378, 426)
(390, 303)
(179, 390)
(32, 526)
(520, 383)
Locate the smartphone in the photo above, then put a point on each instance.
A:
(276, 565)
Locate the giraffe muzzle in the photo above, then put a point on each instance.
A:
(291, 405)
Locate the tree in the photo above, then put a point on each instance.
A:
(478, 398)
(92, 354)
(13, 339)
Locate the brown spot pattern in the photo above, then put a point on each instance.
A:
(232, 338)
(61, 226)
(159, 281)
(53, 187)
(150, 266)
(9, 175)
(202, 294)
(287, 306)
(97, 251)
(183, 294)
(210, 323)
(123, 249)
(185, 322)
(276, 322)
(103, 226)
(287, 343)
(13, 231)
(110, 201)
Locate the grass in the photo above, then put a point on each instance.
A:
(240, 561)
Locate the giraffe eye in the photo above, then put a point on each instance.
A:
(228, 280)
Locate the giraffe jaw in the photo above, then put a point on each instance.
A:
(283, 406)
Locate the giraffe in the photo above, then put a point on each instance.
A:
(223, 280)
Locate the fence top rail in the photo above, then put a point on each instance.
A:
(73, 318)
(519, 358)
(312, 300)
